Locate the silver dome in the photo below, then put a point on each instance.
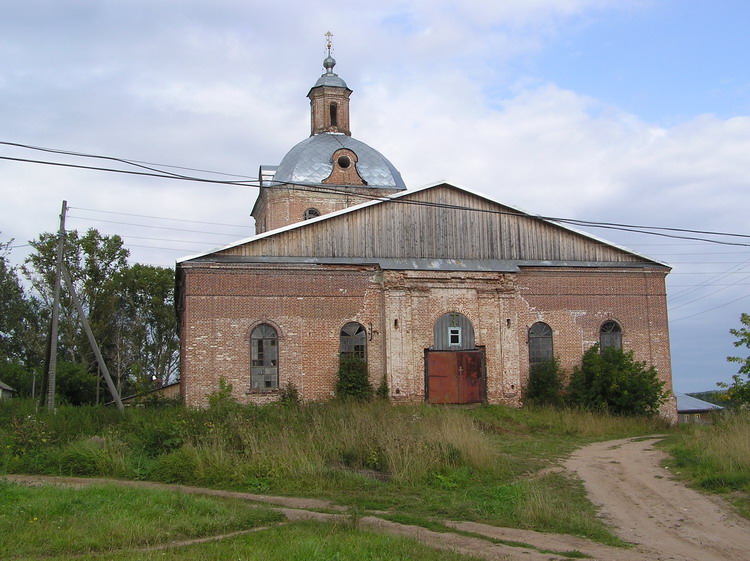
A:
(310, 162)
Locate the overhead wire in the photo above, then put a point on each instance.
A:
(157, 217)
(149, 169)
(253, 182)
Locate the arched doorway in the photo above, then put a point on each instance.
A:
(454, 367)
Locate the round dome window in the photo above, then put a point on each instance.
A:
(344, 161)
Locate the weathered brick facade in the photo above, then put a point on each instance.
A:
(308, 305)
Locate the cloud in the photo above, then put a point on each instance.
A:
(446, 90)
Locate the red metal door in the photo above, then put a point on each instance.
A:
(441, 377)
(470, 377)
(455, 376)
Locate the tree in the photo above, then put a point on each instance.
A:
(94, 262)
(21, 338)
(545, 383)
(739, 390)
(612, 381)
(146, 323)
(130, 309)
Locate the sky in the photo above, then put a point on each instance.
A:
(632, 111)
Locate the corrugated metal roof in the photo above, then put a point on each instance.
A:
(310, 162)
(690, 404)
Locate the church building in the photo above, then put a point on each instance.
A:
(446, 294)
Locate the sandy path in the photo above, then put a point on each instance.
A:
(665, 519)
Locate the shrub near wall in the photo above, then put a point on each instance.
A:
(612, 381)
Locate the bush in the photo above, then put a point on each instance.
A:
(353, 381)
(612, 381)
(545, 383)
(289, 396)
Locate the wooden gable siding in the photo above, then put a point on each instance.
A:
(397, 229)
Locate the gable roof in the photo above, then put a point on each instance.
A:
(690, 404)
(6, 387)
(437, 222)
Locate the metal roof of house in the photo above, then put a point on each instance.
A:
(6, 387)
(690, 404)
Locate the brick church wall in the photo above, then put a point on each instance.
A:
(308, 305)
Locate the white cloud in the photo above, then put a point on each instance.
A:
(441, 88)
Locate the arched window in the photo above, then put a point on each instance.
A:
(265, 358)
(353, 341)
(540, 343)
(453, 332)
(333, 111)
(610, 335)
(311, 213)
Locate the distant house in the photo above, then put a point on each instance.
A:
(693, 410)
(6, 391)
(167, 391)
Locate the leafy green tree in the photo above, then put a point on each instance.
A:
(146, 326)
(75, 384)
(739, 390)
(94, 262)
(21, 334)
(130, 310)
(545, 383)
(612, 381)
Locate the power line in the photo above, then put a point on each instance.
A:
(155, 172)
(155, 227)
(137, 163)
(164, 175)
(711, 309)
(158, 217)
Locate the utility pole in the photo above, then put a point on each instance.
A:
(92, 340)
(52, 369)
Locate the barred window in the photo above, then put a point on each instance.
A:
(353, 340)
(311, 213)
(265, 358)
(610, 335)
(540, 343)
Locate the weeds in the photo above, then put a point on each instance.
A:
(422, 461)
(717, 457)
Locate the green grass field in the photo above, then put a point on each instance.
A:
(486, 464)
(109, 522)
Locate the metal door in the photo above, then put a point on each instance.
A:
(455, 376)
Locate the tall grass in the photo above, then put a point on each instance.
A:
(467, 464)
(570, 422)
(403, 444)
(717, 456)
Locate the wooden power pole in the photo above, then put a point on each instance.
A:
(62, 272)
(92, 340)
(52, 368)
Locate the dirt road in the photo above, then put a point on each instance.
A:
(665, 519)
(662, 518)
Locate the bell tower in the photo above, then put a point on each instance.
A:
(329, 170)
(329, 100)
